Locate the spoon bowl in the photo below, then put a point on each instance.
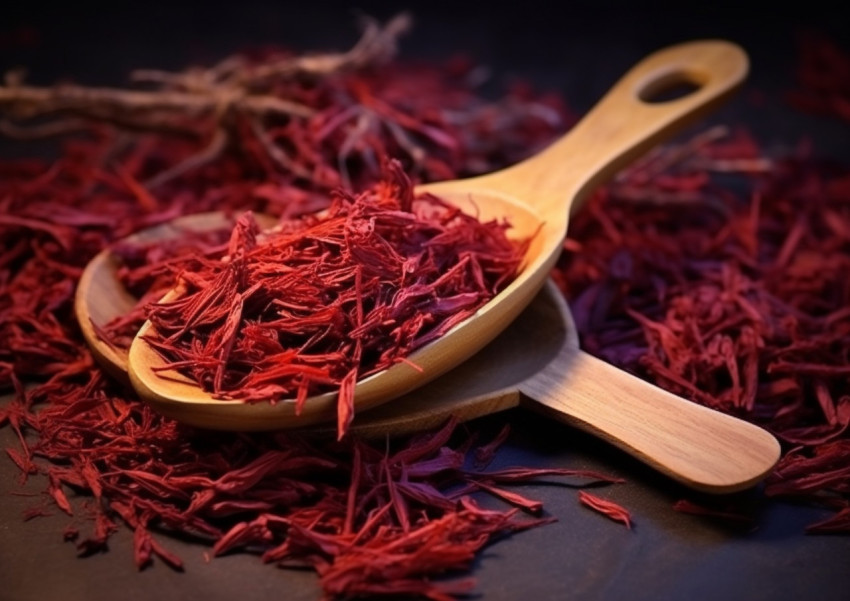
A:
(534, 196)
(101, 298)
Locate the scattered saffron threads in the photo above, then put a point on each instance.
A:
(485, 453)
(823, 74)
(838, 523)
(109, 460)
(717, 301)
(738, 302)
(341, 296)
(610, 509)
(719, 511)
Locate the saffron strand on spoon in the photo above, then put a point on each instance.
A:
(322, 302)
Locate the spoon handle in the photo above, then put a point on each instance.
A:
(702, 448)
(630, 119)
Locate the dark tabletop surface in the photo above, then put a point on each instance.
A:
(579, 51)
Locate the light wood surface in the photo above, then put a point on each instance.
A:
(702, 448)
(536, 196)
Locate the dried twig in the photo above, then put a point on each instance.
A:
(376, 45)
(215, 147)
(205, 103)
(27, 102)
(57, 127)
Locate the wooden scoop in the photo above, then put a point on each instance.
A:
(547, 372)
(701, 448)
(535, 196)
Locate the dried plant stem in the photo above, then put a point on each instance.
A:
(205, 103)
(26, 102)
(207, 154)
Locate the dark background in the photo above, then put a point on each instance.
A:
(578, 51)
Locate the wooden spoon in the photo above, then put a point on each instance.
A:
(534, 195)
(701, 448)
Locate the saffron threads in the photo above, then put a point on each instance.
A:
(322, 300)
(110, 462)
(149, 270)
(608, 508)
(823, 74)
(735, 296)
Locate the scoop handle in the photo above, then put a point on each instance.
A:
(702, 448)
(626, 122)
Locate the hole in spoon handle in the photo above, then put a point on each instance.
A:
(710, 67)
(628, 121)
(671, 87)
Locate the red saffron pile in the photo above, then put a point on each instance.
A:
(319, 303)
(735, 296)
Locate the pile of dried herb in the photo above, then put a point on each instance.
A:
(733, 298)
(735, 294)
(311, 128)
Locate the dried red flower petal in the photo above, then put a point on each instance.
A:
(725, 514)
(608, 508)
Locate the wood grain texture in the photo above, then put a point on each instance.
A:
(701, 448)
